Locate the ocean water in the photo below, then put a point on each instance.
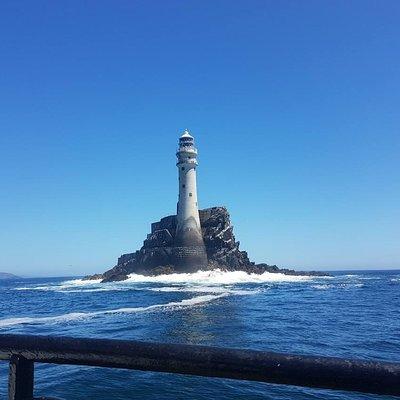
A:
(351, 314)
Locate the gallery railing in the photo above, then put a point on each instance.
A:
(319, 372)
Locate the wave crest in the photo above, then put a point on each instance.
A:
(194, 301)
(218, 277)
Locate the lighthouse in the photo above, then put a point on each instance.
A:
(188, 230)
(188, 236)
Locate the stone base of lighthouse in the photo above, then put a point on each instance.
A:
(189, 258)
(189, 252)
(182, 249)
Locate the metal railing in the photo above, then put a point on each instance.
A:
(22, 351)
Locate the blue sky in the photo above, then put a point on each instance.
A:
(294, 106)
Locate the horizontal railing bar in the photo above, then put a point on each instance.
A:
(310, 371)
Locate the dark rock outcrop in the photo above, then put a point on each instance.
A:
(160, 255)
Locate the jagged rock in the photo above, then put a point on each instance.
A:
(159, 255)
(221, 246)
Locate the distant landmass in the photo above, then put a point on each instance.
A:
(6, 275)
(160, 255)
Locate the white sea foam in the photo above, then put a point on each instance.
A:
(202, 280)
(86, 282)
(194, 301)
(205, 289)
(45, 288)
(322, 287)
(338, 286)
(70, 284)
(218, 277)
(84, 290)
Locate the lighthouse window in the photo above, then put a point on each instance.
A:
(183, 168)
(183, 186)
(190, 194)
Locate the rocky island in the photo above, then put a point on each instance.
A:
(192, 239)
(158, 254)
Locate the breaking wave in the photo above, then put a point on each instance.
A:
(218, 277)
(322, 287)
(214, 281)
(128, 310)
(206, 289)
(208, 285)
(338, 286)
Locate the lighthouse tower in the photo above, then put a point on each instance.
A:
(188, 236)
(188, 230)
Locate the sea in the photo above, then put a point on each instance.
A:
(352, 314)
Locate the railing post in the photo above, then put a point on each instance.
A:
(20, 379)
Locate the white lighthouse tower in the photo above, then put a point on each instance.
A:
(188, 230)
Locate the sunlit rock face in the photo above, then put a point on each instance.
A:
(161, 255)
(164, 252)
